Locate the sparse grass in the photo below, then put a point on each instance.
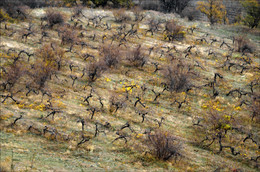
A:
(125, 82)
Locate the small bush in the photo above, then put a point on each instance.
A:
(121, 15)
(47, 63)
(41, 72)
(94, 70)
(14, 73)
(54, 17)
(216, 127)
(49, 55)
(68, 36)
(111, 55)
(242, 44)
(217, 122)
(174, 31)
(136, 56)
(164, 145)
(177, 77)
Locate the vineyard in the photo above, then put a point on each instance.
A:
(114, 89)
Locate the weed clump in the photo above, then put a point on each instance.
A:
(54, 18)
(164, 145)
(121, 15)
(177, 77)
(173, 31)
(68, 36)
(94, 70)
(48, 62)
(242, 44)
(41, 73)
(111, 55)
(51, 55)
(136, 56)
(216, 127)
(12, 75)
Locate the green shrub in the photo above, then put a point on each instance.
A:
(252, 9)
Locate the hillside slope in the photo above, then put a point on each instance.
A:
(85, 111)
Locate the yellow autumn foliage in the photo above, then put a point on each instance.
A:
(214, 10)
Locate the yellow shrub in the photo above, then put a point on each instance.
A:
(5, 17)
(214, 10)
